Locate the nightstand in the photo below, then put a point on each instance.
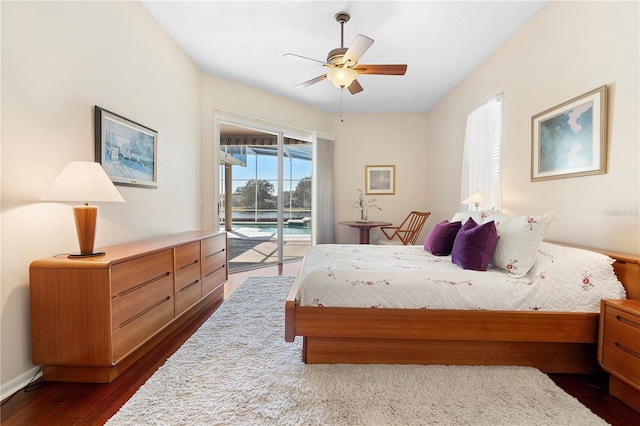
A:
(619, 348)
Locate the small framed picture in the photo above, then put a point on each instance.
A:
(126, 150)
(380, 180)
(570, 139)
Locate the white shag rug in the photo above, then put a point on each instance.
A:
(238, 370)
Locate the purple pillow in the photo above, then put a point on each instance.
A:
(441, 237)
(474, 245)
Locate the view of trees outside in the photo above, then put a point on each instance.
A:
(254, 189)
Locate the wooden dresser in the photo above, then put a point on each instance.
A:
(619, 348)
(91, 318)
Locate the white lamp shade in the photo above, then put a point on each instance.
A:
(83, 181)
(342, 77)
(476, 198)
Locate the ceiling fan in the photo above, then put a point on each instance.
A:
(343, 62)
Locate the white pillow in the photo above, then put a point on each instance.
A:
(574, 272)
(477, 215)
(518, 241)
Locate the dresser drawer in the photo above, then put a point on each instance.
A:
(214, 262)
(187, 266)
(141, 270)
(214, 279)
(187, 296)
(187, 276)
(128, 304)
(129, 335)
(187, 255)
(214, 253)
(214, 244)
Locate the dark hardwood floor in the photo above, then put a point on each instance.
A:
(55, 403)
(593, 392)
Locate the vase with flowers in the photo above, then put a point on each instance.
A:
(364, 205)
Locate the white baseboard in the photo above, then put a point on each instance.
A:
(19, 382)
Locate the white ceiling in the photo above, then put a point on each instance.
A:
(440, 41)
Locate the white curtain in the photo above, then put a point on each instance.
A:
(323, 220)
(482, 153)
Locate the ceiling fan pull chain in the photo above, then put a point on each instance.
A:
(341, 93)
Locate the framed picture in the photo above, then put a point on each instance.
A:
(380, 180)
(570, 139)
(126, 150)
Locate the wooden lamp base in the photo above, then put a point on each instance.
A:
(86, 217)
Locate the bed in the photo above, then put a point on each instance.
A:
(554, 341)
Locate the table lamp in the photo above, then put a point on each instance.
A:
(84, 181)
(476, 198)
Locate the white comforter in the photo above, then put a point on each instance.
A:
(562, 279)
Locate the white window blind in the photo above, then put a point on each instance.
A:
(482, 152)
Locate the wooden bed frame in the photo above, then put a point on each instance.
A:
(552, 342)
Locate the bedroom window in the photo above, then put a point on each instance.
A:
(482, 153)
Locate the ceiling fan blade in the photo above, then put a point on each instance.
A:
(310, 82)
(390, 69)
(355, 87)
(294, 57)
(360, 45)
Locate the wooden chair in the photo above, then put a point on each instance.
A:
(408, 230)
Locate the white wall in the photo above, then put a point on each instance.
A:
(568, 49)
(59, 59)
(380, 139)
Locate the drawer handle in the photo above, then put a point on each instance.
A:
(216, 270)
(627, 321)
(188, 265)
(189, 286)
(627, 350)
(152, 280)
(215, 253)
(139, 314)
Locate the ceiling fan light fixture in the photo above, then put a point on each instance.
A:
(342, 77)
(343, 62)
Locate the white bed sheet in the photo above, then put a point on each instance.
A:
(409, 277)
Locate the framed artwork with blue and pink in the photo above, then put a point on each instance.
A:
(570, 139)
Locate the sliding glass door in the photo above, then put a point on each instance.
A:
(265, 193)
